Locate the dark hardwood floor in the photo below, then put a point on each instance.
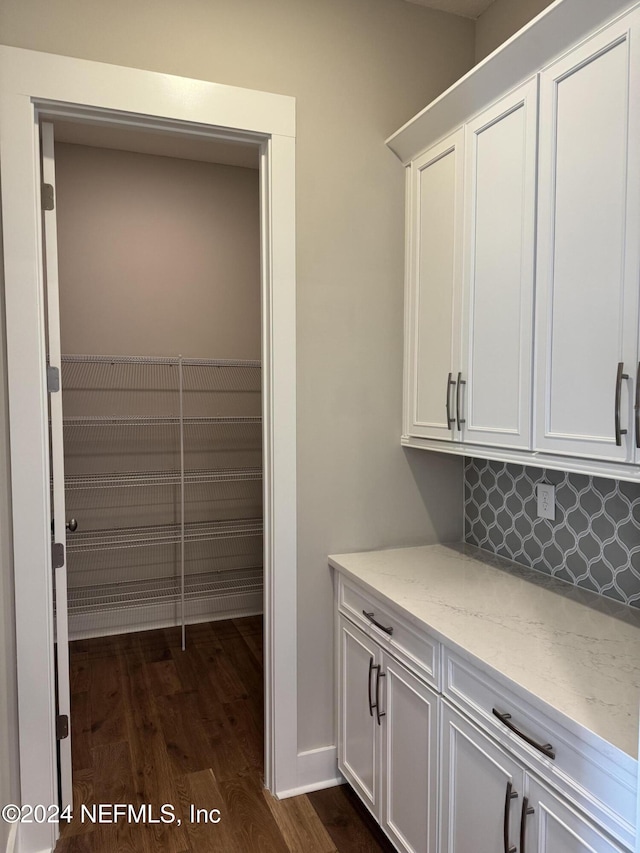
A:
(153, 725)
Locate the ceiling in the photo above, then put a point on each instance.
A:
(466, 8)
(161, 143)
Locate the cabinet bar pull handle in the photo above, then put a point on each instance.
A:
(379, 675)
(450, 420)
(544, 748)
(459, 384)
(510, 795)
(637, 407)
(619, 377)
(371, 705)
(375, 622)
(526, 810)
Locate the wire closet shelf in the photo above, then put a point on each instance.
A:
(173, 444)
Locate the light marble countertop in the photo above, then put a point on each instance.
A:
(576, 651)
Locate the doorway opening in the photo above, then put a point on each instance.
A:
(158, 284)
(160, 335)
(39, 86)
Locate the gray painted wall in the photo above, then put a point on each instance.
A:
(168, 261)
(359, 69)
(501, 20)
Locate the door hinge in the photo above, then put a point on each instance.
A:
(57, 555)
(53, 379)
(47, 197)
(62, 726)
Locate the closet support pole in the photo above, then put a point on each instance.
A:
(182, 614)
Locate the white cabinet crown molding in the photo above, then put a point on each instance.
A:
(560, 26)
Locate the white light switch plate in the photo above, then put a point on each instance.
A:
(546, 501)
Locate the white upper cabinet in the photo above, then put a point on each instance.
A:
(470, 283)
(588, 247)
(433, 289)
(522, 310)
(493, 406)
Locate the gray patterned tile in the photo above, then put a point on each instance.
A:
(504, 483)
(543, 531)
(496, 537)
(564, 575)
(575, 566)
(614, 554)
(594, 541)
(513, 544)
(533, 550)
(553, 477)
(631, 491)
(591, 502)
(601, 573)
(553, 557)
(496, 499)
(603, 527)
(524, 526)
(566, 498)
(523, 487)
(590, 546)
(603, 486)
(565, 538)
(514, 504)
(577, 521)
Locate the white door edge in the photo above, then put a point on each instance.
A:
(61, 624)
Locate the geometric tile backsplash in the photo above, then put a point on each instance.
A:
(593, 543)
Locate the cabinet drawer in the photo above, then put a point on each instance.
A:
(412, 646)
(596, 777)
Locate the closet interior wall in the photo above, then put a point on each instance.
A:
(160, 321)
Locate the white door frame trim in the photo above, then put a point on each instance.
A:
(32, 83)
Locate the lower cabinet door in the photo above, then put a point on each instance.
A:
(409, 784)
(359, 738)
(551, 825)
(481, 791)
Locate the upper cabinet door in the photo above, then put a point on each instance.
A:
(434, 289)
(493, 391)
(589, 222)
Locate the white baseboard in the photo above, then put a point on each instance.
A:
(12, 840)
(317, 769)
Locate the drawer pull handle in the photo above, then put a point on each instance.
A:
(544, 748)
(379, 675)
(526, 810)
(369, 616)
(371, 668)
(510, 795)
